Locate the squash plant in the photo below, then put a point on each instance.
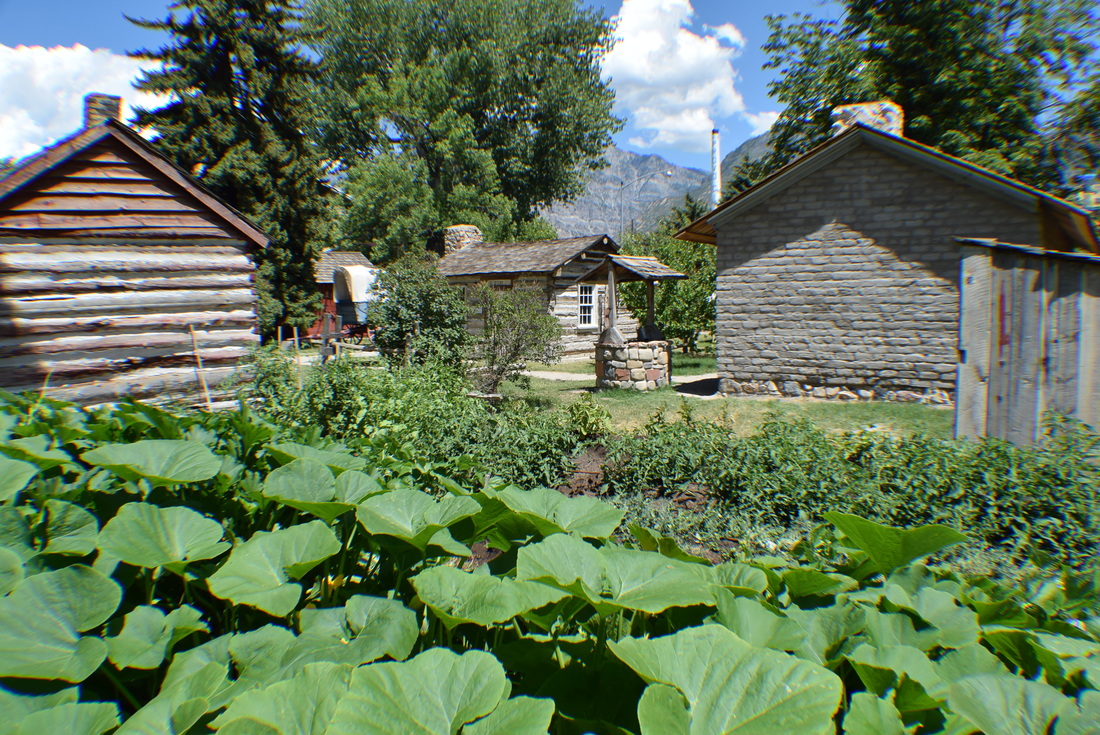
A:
(182, 573)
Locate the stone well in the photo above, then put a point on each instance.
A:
(634, 365)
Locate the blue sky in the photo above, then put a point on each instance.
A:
(681, 67)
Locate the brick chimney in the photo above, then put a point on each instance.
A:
(98, 108)
(457, 237)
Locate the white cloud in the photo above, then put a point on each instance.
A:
(672, 82)
(43, 90)
(761, 121)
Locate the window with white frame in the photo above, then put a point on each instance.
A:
(586, 306)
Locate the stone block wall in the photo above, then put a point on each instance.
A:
(634, 366)
(847, 281)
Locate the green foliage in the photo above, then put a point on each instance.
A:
(418, 314)
(778, 481)
(373, 618)
(449, 112)
(587, 418)
(240, 107)
(517, 327)
(984, 95)
(683, 308)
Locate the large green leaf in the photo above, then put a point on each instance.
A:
(72, 718)
(15, 474)
(613, 578)
(184, 697)
(148, 635)
(881, 669)
(69, 529)
(16, 707)
(41, 621)
(889, 547)
(869, 715)
(337, 461)
(37, 451)
(307, 485)
(551, 512)
(415, 517)
(728, 686)
(461, 597)
(11, 570)
(516, 716)
(301, 705)
(756, 624)
(1007, 705)
(148, 535)
(825, 629)
(258, 572)
(160, 461)
(435, 693)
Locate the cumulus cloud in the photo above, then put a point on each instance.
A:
(761, 121)
(672, 82)
(43, 89)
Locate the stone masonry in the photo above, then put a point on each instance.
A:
(845, 285)
(633, 366)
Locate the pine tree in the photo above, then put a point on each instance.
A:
(239, 86)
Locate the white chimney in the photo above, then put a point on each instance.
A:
(715, 170)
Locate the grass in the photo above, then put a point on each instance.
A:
(681, 365)
(631, 410)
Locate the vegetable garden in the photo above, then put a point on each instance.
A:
(177, 572)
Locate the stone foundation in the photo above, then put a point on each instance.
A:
(633, 366)
(792, 389)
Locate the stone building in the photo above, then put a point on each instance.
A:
(839, 273)
(550, 268)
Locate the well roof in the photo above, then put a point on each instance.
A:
(633, 268)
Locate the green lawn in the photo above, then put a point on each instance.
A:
(681, 365)
(631, 410)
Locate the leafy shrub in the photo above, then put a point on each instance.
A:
(587, 418)
(517, 328)
(180, 572)
(785, 476)
(418, 315)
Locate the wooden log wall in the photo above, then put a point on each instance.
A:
(106, 267)
(1029, 341)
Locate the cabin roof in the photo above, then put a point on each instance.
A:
(67, 216)
(325, 266)
(539, 256)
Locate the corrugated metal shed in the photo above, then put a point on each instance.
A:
(537, 257)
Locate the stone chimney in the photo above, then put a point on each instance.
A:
(457, 237)
(98, 108)
(883, 115)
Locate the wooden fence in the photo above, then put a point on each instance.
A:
(1029, 340)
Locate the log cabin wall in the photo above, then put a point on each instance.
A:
(107, 266)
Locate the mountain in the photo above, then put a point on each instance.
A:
(648, 195)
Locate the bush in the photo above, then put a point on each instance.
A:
(518, 327)
(784, 477)
(418, 315)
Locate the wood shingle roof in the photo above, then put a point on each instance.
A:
(325, 266)
(540, 256)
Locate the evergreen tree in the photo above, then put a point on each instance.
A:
(240, 107)
(481, 111)
(976, 78)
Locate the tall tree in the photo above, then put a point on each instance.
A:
(240, 107)
(482, 110)
(980, 79)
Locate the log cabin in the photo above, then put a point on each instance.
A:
(549, 268)
(118, 271)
